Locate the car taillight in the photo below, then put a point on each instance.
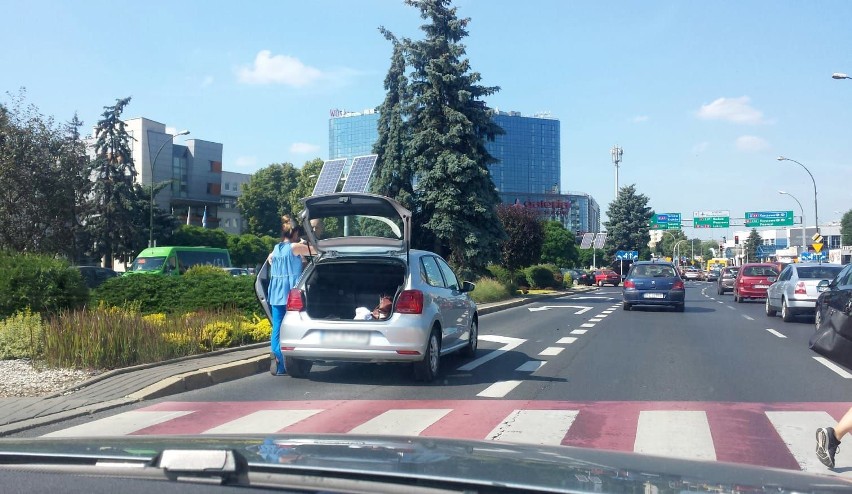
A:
(629, 284)
(678, 285)
(410, 302)
(800, 288)
(295, 301)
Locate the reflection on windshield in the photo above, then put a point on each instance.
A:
(147, 264)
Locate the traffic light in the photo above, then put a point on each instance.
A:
(736, 240)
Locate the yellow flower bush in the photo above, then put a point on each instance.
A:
(218, 334)
(259, 329)
(158, 319)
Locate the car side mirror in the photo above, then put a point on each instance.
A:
(823, 286)
(467, 287)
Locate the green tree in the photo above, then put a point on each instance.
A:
(247, 250)
(752, 242)
(559, 246)
(525, 235)
(305, 181)
(627, 227)
(456, 201)
(111, 223)
(846, 228)
(196, 236)
(665, 247)
(266, 197)
(588, 257)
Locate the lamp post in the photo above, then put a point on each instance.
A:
(816, 213)
(616, 153)
(840, 75)
(804, 241)
(151, 206)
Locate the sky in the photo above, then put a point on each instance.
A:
(702, 96)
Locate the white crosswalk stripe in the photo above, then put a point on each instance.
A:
(263, 422)
(401, 422)
(675, 433)
(119, 425)
(798, 430)
(534, 426)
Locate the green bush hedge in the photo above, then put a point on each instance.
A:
(21, 336)
(540, 276)
(180, 294)
(40, 283)
(490, 290)
(505, 277)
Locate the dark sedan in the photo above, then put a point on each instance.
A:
(834, 304)
(653, 283)
(582, 277)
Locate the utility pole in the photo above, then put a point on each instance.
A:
(616, 153)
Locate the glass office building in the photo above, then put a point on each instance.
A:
(527, 173)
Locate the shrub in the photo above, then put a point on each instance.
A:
(39, 283)
(505, 277)
(489, 290)
(567, 280)
(202, 270)
(539, 276)
(21, 336)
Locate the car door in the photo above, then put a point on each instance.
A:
(460, 311)
(777, 289)
(839, 301)
(440, 296)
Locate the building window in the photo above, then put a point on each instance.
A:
(216, 166)
(214, 189)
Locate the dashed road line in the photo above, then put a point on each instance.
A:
(731, 308)
(587, 325)
(596, 319)
(531, 366)
(836, 368)
(551, 351)
(579, 331)
(748, 317)
(499, 389)
(566, 340)
(776, 333)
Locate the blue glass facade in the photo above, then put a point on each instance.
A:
(352, 134)
(578, 212)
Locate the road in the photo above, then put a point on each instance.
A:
(720, 381)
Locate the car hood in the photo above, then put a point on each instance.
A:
(342, 205)
(471, 463)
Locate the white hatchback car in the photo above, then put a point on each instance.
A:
(363, 254)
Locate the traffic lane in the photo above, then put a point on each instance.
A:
(711, 352)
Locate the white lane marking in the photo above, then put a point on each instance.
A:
(531, 366)
(587, 325)
(731, 307)
(776, 333)
(798, 431)
(499, 389)
(509, 343)
(408, 422)
(711, 298)
(566, 340)
(592, 298)
(836, 368)
(603, 314)
(262, 422)
(582, 308)
(534, 426)
(675, 433)
(118, 425)
(579, 331)
(552, 350)
(608, 311)
(719, 301)
(748, 317)
(595, 319)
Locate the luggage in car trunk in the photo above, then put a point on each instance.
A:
(335, 289)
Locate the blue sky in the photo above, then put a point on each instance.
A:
(702, 96)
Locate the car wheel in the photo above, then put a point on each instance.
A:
(719, 291)
(786, 313)
(600, 284)
(770, 312)
(297, 367)
(427, 369)
(470, 349)
(626, 306)
(616, 284)
(737, 298)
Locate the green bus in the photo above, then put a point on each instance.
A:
(176, 260)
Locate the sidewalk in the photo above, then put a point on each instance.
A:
(144, 382)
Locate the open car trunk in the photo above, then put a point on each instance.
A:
(333, 290)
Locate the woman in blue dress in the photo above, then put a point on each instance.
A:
(285, 266)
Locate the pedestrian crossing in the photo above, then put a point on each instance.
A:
(780, 435)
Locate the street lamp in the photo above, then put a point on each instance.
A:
(816, 213)
(804, 242)
(616, 153)
(839, 75)
(151, 207)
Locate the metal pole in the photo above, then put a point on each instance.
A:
(151, 205)
(816, 212)
(804, 239)
(616, 153)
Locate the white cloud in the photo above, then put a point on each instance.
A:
(640, 118)
(208, 81)
(700, 147)
(245, 162)
(303, 148)
(278, 69)
(752, 143)
(737, 110)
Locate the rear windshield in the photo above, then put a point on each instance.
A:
(357, 226)
(147, 264)
(818, 272)
(653, 272)
(759, 271)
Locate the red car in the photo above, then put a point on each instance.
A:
(753, 280)
(607, 277)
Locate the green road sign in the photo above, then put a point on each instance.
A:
(711, 219)
(665, 221)
(768, 218)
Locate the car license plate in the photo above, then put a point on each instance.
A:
(761, 286)
(345, 338)
(654, 295)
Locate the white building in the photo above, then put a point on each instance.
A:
(786, 244)
(230, 219)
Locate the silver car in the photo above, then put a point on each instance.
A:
(363, 254)
(795, 290)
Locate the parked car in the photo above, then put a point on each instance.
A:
(727, 277)
(329, 317)
(94, 276)
(607, 277)
(795, 290)
(582, 277)
(753, 280)
(653, 283)
(834, 305)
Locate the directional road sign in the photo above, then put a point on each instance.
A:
(812, 256)
(768, 218)
(626, 255)
(666, 221)
(711, 219)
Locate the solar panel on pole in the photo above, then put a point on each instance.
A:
(586, 242)
(600, 240)
(359, 173)
(329, 177)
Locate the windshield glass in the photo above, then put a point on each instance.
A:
(147, 264)
(818, 273)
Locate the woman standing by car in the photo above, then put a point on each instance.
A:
(285, 266)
